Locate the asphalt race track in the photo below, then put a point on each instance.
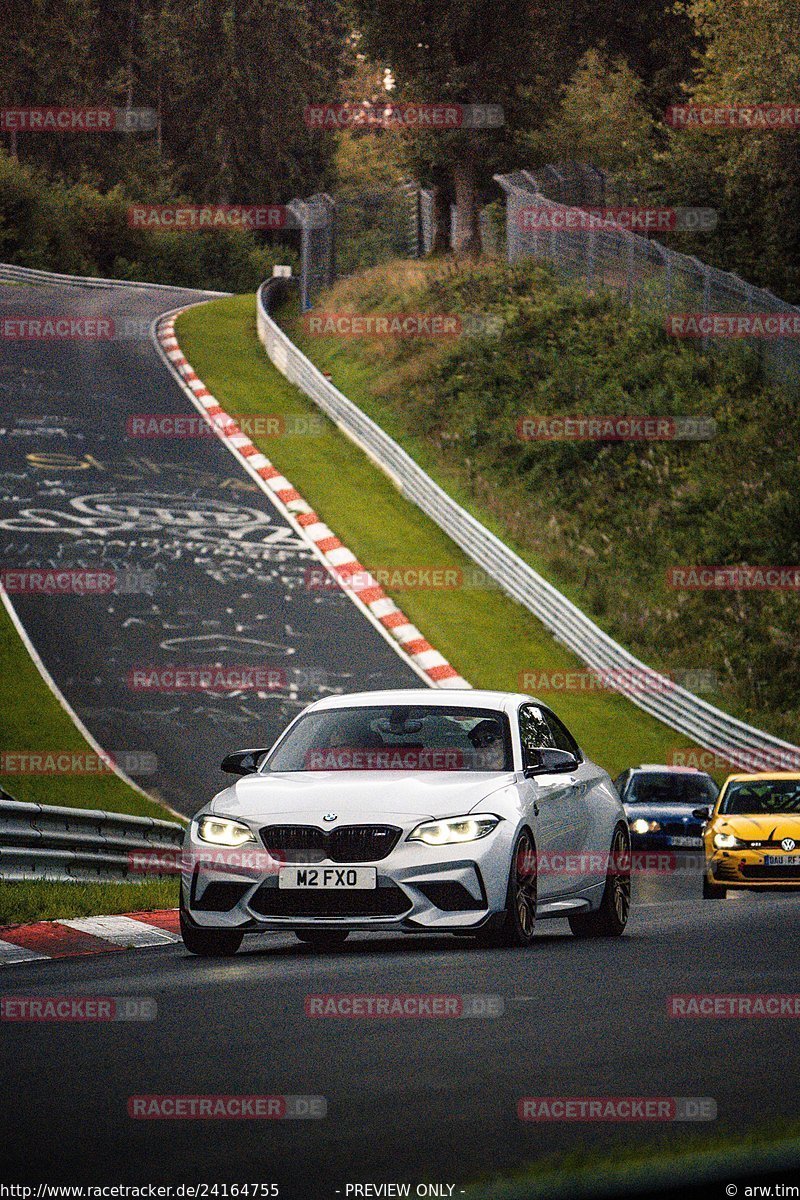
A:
(408, 1100)
(208, 570)
(417, 1100)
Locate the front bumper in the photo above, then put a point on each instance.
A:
(689, 839)
(443, 888)
(748, 869)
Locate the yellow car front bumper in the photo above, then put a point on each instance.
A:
(753, 869)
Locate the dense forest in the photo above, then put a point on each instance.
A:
(230, 81)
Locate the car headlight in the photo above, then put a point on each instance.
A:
(726, 841)
(642, 826)
(222, 832)
(454, 829)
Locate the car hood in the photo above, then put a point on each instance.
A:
(357, 796)
(770, 827)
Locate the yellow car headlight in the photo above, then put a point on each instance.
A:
(727, 841)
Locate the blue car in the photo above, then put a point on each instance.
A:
(666, 807)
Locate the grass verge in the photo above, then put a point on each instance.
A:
(653, 1170)
(31, 719)
(489, 638)
(24, 902)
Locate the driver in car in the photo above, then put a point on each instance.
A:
(487, 738)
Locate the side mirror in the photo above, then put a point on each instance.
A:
(702, 814)
(242, 762)
(545, 762)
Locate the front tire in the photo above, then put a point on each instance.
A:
(323, 939)
(610, 919)
(713, 891)
(209, 943)
(519, 920)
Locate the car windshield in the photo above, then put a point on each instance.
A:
(762, 796)
(390, 737)
(667, 788)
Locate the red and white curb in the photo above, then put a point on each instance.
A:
(88, 935)
(352, 576)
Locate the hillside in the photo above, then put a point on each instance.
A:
(604, 521)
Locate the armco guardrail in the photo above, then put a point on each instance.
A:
(40, 841)
(733, 740)
(10, 273)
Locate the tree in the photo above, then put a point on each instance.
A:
(752, 55)
(601, 119)
(465, 52)
(235, 123)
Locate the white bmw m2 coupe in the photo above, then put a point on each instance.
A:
(419, 811)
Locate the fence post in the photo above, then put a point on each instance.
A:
(706, 298)
(305, 256)
(629, 271)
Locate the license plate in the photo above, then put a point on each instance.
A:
(782, 860)
(329, 878)
(685, 841)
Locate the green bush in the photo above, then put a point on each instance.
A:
(79, 230)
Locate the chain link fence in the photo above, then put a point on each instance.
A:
(355, 230)
(544, 221)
